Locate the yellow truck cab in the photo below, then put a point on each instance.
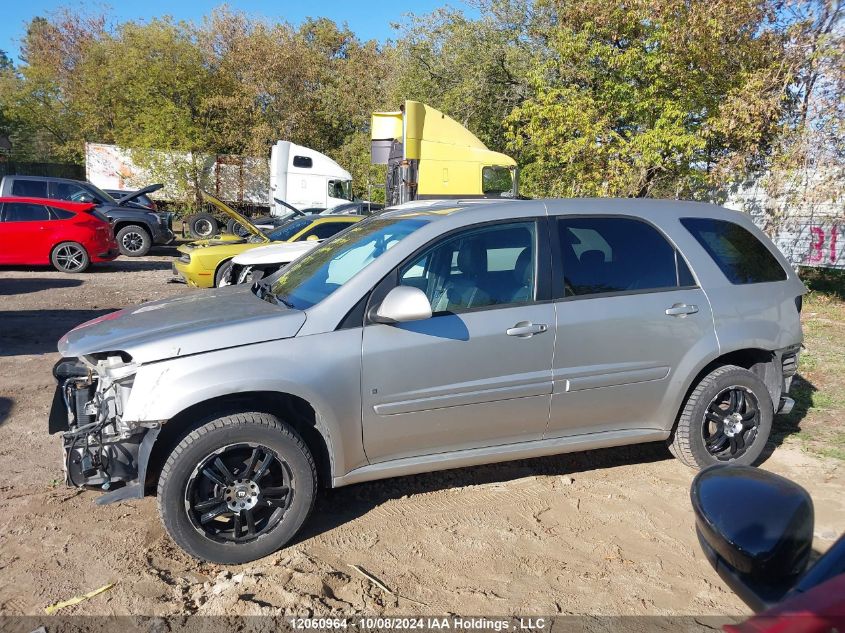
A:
(430, 155)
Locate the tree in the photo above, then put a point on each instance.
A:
(38, 97)
(7, 68)
(647, 98)
(806, 168)
(671, 98)
(477, 71)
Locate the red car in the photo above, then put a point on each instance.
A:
(68, 235)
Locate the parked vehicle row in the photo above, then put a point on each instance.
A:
(66, 235)
(524, 328)
(206, 263)
(136, 228)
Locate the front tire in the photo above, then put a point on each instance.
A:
(70, 257)
(726, 419)
(222, 269)
(237, 488)
(134, 241)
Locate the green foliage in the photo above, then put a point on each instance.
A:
(646, 84)
(669, 98)
(231, 85)
(476, 71)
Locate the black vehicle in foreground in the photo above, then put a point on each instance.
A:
(756, 529)
(136, 227)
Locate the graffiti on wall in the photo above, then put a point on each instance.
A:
(813, 243)
(809, 223)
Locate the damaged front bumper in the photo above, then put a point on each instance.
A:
(100, 450)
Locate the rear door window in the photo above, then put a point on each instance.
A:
(603, 255)
(25, 212)
(29, 188)
(739, 255)
(70, 191)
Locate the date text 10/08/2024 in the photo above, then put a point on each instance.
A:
(421, 624)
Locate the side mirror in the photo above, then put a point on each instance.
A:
(312, 238)
(756, 529)
(403, 304)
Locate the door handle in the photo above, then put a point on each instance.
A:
(681, 310)
(525, 329)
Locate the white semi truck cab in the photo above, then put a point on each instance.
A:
(306, 179)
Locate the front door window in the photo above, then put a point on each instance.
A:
(491, 266)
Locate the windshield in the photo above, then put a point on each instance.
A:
(287, 231)
(341, 209)
(100, 194)
(316, 275)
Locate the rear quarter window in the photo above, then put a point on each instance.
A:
(61, 214)
(737, 252)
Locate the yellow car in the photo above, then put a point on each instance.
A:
(203, 264)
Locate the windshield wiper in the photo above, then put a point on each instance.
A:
(262, 291)
(285, 302)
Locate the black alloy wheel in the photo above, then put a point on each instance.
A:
(239, 493)
(731, 422)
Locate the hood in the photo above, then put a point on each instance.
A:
(229, 211)
(222, 241)
(280, 253)
(131, 196)
(199, 322)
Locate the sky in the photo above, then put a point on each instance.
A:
(370, 20)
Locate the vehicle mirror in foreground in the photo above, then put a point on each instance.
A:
(312, 238)
(756, 529)
(403, 304)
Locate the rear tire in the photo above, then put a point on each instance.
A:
(134, 241)
(726, 419)
(70, 257)
(270, 505)
(202, 226)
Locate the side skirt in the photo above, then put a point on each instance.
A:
(493, 454)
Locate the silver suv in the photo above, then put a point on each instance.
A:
(434, 335)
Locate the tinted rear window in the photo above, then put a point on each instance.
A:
(739, 255)
(25, 212)
(29, 188)
(609, 255)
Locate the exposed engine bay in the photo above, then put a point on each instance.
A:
(100, 450)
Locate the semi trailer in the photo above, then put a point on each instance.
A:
(302, 177)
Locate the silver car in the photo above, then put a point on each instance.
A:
(435, 335)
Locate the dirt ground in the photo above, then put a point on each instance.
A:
(605, 532)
